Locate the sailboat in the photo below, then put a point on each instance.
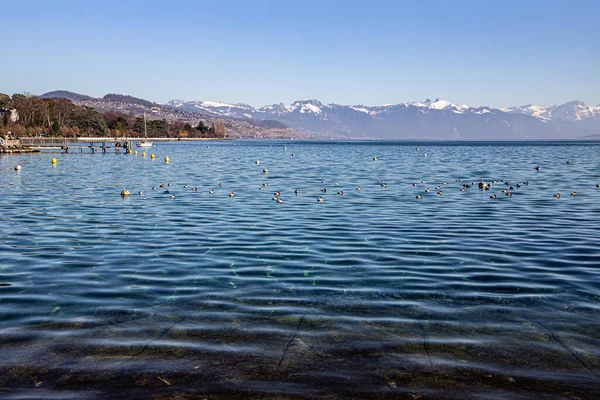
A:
(145, 143)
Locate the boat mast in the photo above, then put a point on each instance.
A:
(145, 128)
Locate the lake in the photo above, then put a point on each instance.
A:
(369, 294)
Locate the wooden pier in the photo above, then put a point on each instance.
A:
(91, 145)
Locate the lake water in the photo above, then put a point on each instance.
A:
(369, 294)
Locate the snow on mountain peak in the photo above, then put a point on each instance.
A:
(307, 106)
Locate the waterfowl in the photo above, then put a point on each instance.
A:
(557, 195)
(262, 188)
(427, 190)
(324, 190)
(169, 184)
(419, 197)
(424, 154)
(280, 200)
(256, 162)
(414, 185)
(274, 198)
(185, 186)
(162, 185)
(358, 187)
(437, 187)
(458, 180)
(231, 194)
(526, 183)
(265, 184)
(285, 148)
(293, 155)
(494, 181)
(379, 181)
(172, 197)
(423, 182)
(220, 185)
(125, 193)
(597, 185)
(518, 185)
(573, 193)
(194, 189)
(166, 192)
(341, 192)
(511, 188)
(277, 193)
(568, 162)
(374, 158)
(493, 196)
(140, 193)
(265, 170)
(443, 183)
(337, 184)
(462, 189)
(504, 191)
(211, 191)
(322, 180)
(439, 193)
(482, 185)
(537, 168)
(17, 167)
(509, 194)
(320, 199)
(153, 187)
(384, 185)
(416, 149)
(296, 191)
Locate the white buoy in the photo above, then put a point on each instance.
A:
(17, 167)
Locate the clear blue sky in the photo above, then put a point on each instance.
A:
(496, 53)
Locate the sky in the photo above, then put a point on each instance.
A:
(494, 53)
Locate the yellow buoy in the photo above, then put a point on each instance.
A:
(152, 156)
(167, 159)
(129, 151)
(54, 161)
(143, 154)
(135, 152)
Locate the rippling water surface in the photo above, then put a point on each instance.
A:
(369, 294)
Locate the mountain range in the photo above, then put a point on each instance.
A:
(430, 119)
(437, 119)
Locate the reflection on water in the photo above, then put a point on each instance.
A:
(369, 294)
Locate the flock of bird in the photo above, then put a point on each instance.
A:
(482, 185)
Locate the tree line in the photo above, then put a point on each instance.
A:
(27, 115)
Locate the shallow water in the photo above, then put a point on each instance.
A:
(369, 294)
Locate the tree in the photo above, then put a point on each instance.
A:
(55, 128)
(5, 101)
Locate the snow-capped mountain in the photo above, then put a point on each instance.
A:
(238, 110)
(571, 111)
(437, 119)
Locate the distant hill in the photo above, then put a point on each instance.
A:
(65, 94)
(237, 127)
(123, 98)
